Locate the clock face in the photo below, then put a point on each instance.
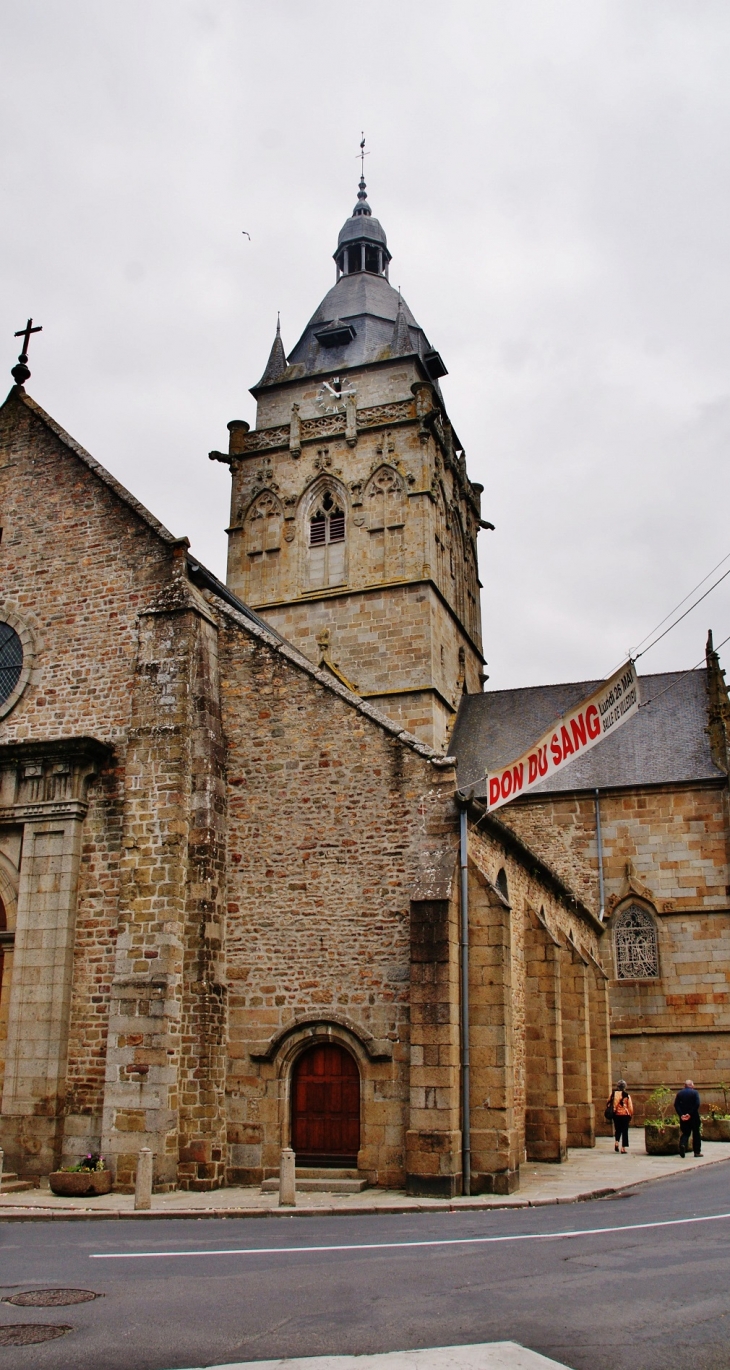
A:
(332, 396)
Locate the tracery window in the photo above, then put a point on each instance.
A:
(635, 945)
(11, 660)
(327, 543)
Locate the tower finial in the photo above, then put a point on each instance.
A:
(20, 373)
(362, 192)
(278, 323)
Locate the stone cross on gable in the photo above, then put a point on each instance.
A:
(20, 373)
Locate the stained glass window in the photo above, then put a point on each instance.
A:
(635, 944)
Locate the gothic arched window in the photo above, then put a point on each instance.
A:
(11, 660)
(326, 543)
(635, 943)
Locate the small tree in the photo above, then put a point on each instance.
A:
(659, 1105)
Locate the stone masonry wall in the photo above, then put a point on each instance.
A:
(667, 848)
(407, 612)
(78, 565)
(329, 818)
(370, 633)
(530, 1040)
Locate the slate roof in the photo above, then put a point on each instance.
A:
(370, 304)
(664, 742)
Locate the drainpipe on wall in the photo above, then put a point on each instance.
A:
(599, 842)
(464, 1024)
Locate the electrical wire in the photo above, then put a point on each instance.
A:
(645, 705)
(634, 654)
(662, 621)
(682, 677)
(681, 616)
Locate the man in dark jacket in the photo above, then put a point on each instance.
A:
(687, 1107)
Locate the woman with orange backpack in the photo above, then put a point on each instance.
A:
(621, 1110)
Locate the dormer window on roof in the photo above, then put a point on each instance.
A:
(362, 245)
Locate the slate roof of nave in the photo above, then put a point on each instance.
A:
(665, 742)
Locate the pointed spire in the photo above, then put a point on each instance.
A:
(401, 343)
(362, 206)
(718, 710)
(277, 364)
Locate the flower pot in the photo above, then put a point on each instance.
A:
(716, 1129)
(662, 1141)
(74, 1184)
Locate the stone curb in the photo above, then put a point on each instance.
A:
(18, 1214)
(360, 1210)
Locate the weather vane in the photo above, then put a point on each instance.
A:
(20, 373)
(362, 154)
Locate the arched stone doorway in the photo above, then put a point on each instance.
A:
(326, 1107)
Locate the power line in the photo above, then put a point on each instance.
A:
(681, 602)
(683, 676)
(684, 615)
(634, 655)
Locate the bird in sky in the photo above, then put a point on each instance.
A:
(245, 234)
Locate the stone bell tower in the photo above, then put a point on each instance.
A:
(353, 521)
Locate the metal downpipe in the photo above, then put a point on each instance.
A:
(599, 846)
(464, 1006)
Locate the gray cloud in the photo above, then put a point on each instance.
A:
(553, 181)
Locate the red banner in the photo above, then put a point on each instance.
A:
(613, 703)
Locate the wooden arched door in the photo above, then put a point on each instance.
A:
(326, 1107)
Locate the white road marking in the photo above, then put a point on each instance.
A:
(392, 1246)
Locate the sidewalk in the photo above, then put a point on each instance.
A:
(493, 1355)
(586, 1174)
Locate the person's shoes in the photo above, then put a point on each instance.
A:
(682, 1147)
(698, 1153)
(616, 1147)
(624, 1150)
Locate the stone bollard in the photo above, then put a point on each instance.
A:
(143, 1183)
(2, 1158)
(287, 1178)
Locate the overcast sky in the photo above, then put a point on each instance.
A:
(554, 182)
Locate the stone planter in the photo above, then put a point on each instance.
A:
(74, 1184)
(716, 1129)
(662, 1141)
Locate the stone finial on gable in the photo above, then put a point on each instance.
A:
(327, 664)
(718, 708)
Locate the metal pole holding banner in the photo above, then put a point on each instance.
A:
(464, 1025)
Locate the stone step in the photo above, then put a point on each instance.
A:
(326, 1172)
(12, 1185)
(321, 1182)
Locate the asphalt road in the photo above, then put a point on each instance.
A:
(644, 1298)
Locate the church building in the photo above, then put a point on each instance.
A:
(640, 828)
(245, 900)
